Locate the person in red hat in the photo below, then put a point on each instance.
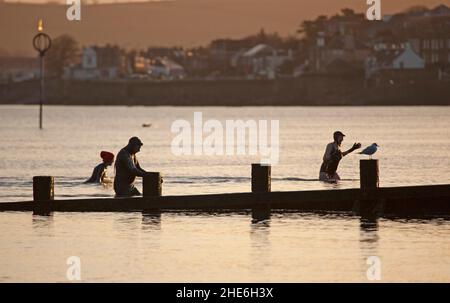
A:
(99, 174)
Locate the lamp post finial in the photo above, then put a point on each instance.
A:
(40, 25)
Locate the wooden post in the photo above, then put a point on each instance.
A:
(43, 194)
(261, 183)
(368, 174)
(261, 179)
(369, 205)
(261, 212)
(152, 184)
(43, 188)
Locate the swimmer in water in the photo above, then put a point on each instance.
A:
(99, 174)
(333, 155)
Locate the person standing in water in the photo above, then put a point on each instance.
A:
(332, 157)
(127, 169)
(99, 174)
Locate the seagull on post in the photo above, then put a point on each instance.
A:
(370, 150)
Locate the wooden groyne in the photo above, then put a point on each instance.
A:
(368, 200)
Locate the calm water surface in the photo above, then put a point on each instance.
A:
(415, 144)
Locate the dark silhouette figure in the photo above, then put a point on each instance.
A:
(99, 174)
(127, 169)
(333, 155)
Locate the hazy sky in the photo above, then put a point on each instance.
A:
(389, 4)
(179, 22)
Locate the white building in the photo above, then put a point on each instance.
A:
(408, 59)
(395, 58)
(263, 61)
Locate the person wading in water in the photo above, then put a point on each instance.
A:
(99, 174)
(332, 157)
(127, 169)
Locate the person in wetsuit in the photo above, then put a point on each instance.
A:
(332, 157)
(127, 169)
(99, 174)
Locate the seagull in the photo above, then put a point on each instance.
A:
(370, 150)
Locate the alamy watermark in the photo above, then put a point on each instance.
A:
(73, 12)
(374, 10)
(73, 272)
(235, 137)
(373, 273)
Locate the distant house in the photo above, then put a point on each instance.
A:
(87, 69)
(196, 62)
(348, 23)
(18, 69)
(438, 11)
(98, 63)
(165, 68)
(343, 53)
(173, 53)
(222, 50)
(428, 32)
(262, 60)
(137, 65)
(404, 58)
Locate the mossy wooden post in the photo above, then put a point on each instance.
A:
(261, 183)
(152, 184)
(369, 205)
(43, 194)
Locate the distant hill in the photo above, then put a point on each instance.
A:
(175, 23)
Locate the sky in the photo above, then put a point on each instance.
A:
(391, 4)
(185, 23)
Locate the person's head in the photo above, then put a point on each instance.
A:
(135, 144)
(338, 137)
(108, 158)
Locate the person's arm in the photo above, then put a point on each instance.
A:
(354, 147)
(102, 177)
(138, 166)
(327, 154)
(132, 167)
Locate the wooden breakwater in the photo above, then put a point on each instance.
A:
(369, 200)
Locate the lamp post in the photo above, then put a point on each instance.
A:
(41, 43)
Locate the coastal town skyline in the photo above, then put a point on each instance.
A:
(408, 48)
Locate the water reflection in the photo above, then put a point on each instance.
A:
(368, 241)
(259, 233)
(260, 246)
(127, 222)
(368, 228)
(42, 221)
(261, 213)
(151, 221)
